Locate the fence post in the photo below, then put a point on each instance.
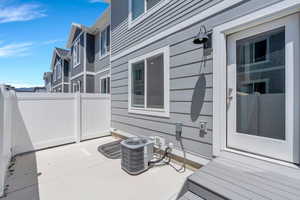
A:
(78, 117)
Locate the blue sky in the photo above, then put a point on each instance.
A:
(29, 30)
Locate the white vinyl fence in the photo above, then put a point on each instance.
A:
(33, 121)
(5, 134)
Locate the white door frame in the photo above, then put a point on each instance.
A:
(220, 34)
(279, 149)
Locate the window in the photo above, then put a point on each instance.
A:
(104, 41)
(105, 85)
(54, 73)
(149, 83)
(76, 53)
(58, 69)
(140, 9)
(77, 87)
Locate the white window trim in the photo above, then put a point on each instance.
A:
(147, 13)
(76, 43)
(165, 112)
(221, 32)
(100, 79)
(100, 43)
(76, 84)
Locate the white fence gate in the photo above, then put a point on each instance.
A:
(33, 121)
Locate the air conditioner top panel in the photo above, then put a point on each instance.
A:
(136, 142)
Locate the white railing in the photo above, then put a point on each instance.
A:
(33, 121)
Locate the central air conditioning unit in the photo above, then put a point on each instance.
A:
(136, 154)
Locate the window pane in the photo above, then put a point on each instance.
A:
(103, 86)
(103, 42)
(59, 69)
(138, 8)
(260, 106)
(151, 3)
(155, 82)
(108, 38)
(77, 53)
(138, 84)
(108, 85)
(260, 51)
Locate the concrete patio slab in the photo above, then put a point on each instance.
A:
(80, 172)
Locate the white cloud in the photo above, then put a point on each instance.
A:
(23, 12)
(96, 1)
(51, 42)
(15, 49)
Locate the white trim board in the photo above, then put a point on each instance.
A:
(202, 15)
(102, 71)
(81, 74)
(275, 11)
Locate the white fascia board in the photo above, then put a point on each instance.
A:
(102, 21)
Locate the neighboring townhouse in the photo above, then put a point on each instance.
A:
(90, 52)
(235, 91)
(81, 70)
(101, 33)
(60, 67)
(48, 81)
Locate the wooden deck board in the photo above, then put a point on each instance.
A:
(279, 182)
(221, 187)
(249, 182)
(235, 179)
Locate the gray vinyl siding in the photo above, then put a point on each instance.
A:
(66, 88)
(90, 86)
(97, 80)
(171, 14)
(191, 72)
(78, 69)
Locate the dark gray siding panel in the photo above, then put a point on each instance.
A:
(90, 52)
(121, 8)
(66, 88)
(90, 86)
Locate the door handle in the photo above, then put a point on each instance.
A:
(229, 94)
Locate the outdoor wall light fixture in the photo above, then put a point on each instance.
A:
(202, 36)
